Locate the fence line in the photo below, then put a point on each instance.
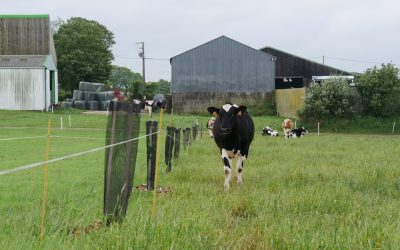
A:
(19, 138)
(17, 169)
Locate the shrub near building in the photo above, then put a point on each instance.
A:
(380, 90)
(332, 98)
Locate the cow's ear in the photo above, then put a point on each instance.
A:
(213, 111)
(240, 110)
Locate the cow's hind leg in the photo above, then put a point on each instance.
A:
(239, 168)
(227, 168)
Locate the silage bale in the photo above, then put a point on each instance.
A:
(66, 105)
(104, 105)
(92, 105)
(78, 95)
(90, 96)
(80, 104)
(93, 87)
(105, 96)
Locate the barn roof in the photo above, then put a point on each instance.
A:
(22, 61)
(273, 51)
(212, 41)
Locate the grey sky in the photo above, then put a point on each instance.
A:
(352, 34)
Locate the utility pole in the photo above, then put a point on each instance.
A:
(323, 59)
(141, 54)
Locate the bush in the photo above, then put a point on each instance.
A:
(380, 90)
(332, 98)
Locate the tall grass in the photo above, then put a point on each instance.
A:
(329, 191)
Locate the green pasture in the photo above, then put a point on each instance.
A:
(332, 191)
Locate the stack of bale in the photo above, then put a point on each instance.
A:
(90, 96)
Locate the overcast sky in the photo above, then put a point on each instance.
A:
(353, 35)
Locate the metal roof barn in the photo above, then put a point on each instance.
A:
(207, 73)
(293, 71)
(28, 63)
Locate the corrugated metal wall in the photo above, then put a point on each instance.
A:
(22, 89)
(25, 36)
(222, 65)
(288, 65)
(289, 101)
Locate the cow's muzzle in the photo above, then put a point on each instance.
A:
(224, 131)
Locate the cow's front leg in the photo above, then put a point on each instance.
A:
(227, 168)
(239, 168)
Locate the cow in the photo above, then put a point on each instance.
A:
(233, 133)
(146, 105)
(269, 131)
(298, 132)
(210, 125)
(287, 126)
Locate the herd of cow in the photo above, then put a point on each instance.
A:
(233, 131)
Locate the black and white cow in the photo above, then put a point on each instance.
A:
(298, 132)
(146, 105)
(210, 125)
(269, 131)
(233, 133)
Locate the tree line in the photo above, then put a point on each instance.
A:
(84, 53)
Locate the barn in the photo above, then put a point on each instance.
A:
(218, 71)
(293, 74)
(28, 63)
(292, 71)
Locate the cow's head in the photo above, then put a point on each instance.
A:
(227, 115)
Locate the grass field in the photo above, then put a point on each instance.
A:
(334, 191)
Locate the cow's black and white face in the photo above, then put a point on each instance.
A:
(227, 116)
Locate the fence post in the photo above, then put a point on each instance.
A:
(177, 143)
(394, 123)
(120, 160)
(169, 145)
(151, 128)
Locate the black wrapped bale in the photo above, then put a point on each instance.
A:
(120, 160)
(78, 95)
(105, 96)
(80, 104)
(169, 145)
(151, 129)
(90, 96)
(92, 87)
(177, 143)
(66, 105)
(104, 105)
(92, 105)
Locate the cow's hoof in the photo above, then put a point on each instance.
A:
(226, 187)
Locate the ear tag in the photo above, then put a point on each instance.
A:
(215, 114)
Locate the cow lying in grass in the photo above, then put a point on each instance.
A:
(298, 132)
(233, 133)
(288, 130)
(269, 131)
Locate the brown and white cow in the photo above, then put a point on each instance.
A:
(287, 126)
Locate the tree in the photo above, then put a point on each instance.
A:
(332, 98)
(380, 90)
(84, 52)
(122, 77)
(160, 87)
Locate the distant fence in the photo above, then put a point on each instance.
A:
(289, 101)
